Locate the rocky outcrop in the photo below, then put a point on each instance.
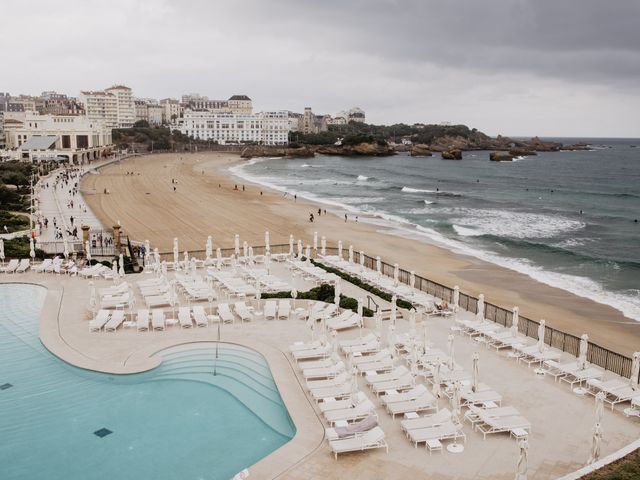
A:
(453, 154)
(540, 146)
(361, 149)
(500, 157)
(421, 150)
(265, 151)
(521, 152)
(574, 147)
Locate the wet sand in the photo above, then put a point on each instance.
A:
(205, 203)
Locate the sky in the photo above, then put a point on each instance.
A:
(510, 67)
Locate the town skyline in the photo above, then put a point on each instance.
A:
(416, 62)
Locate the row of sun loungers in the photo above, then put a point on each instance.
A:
(280, 310)
(16, 266)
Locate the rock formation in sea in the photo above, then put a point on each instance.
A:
(269, 151)
(453, 154)
(420, 150)
(365, 149)
(500, 157)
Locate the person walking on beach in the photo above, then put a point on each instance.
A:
(345, 218)
(295, 197)
(319, 212)
(311, 217)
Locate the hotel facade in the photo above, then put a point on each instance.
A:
(266, 128)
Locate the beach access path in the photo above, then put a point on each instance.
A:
(205, 202)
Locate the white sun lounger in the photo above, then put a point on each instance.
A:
(491, 425)
(200, 316)
(476, 414)
(23, 266)
(406, 382)
(474, 398)
(327, 406)
(340, 391)
(339, 379)
(580, 376)
(374, 438)
(158, 300)
(46, 264)
(358, 412)
(383, 365)
(101, 319)
(397, 372)
(325, 372)
(424, 402)
(142, 320)
(117, 317)
(157, 319)
(224, 312)
(242, 311)
(11, 266)
(304, 345)
(184, 317)
(357, 341)
(284, 309)
(443, 431)
(438, 418)
(117, 300)
(370, 347)
(412, 394)
(354, 320)
(119, 289)
(270, 307)
(323, 351)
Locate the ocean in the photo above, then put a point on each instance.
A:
(566, 219)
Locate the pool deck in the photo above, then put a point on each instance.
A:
(561, 420)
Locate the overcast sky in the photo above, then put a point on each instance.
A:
(520, 67)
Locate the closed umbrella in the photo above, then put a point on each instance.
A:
(209, 248)
(456, 298)
(599, 406)
(121, 270)
(299, 248)
(425, 339)
(336, 300)
(236, 244)
(218, 258)
(307, 252)
(258, 291)
(412, 321)
(251, 255)
(245, 249)
(475, 373)
(391, 339)
(323, 246)
(480, 309)
(176, 254)
(436, 380)
(394, 309)
(114, 271)
(2, 250)
(378, 318)
(596, 441)
(156, 255)
(186, 261)
(455, 403)
(267, 247)
(350, 253)
(66, 248)
(451, 360)
(315, 243)
(340, 249)
(523, 460)
(378, 265)
(360, 307)
(267, 262)
(194, 264)
(635, 371)
(541, 336)
(87, 251)
(291, 245)
(582, 353)
(514, 321)
(338, 287)
(396, 274)
(93, 299)
(334, 341)
(361, 261)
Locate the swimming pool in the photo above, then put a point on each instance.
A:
(178, 421)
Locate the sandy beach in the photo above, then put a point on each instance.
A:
(142, 197)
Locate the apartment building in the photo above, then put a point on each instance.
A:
(125, 109)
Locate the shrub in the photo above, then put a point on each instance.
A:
(19, 248)
(364, 285)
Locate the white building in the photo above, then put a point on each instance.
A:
(142, 110)
(172, 110)
(126, 113)
(267, 128)
(155, 113)
(100, 106)
(73, 138)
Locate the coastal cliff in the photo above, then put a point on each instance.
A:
(365, 149)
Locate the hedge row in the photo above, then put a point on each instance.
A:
(363, 285)
(323, 293)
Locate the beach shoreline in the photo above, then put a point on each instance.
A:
(205, 202)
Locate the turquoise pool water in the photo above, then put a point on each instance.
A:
(178, 421)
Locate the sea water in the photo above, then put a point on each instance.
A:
(564, 218)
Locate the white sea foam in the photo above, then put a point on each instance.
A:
(628, 304)
(359, 200)
(416, 190)
(305, 165)
(427, 202)
(503, 223)
(362, 178)
(467, 232)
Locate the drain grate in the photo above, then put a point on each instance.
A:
(5, 386)
(103, 432)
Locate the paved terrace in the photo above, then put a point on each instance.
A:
(561, 420)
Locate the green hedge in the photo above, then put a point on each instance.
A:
(20, 248)
(363, 285)
(323, 293)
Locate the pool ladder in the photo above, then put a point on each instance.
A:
(215, 362)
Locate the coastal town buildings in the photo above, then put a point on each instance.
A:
(236, 104)
(267, 128)
(74, 138)
(308, 122)
(113, 105)
(172, 109)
